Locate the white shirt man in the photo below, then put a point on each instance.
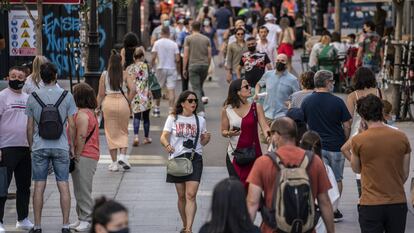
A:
(274, 29)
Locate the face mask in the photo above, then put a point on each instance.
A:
(206, 23)
(125, 230)
(280, 66)
(166, 23)
(16, 84)
(251, 48)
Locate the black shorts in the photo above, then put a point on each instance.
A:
(156, 94)
(197, 170)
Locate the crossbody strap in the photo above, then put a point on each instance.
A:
(123, 93)
(90, 134)
(196, 138)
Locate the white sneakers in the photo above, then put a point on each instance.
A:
(2, 229)
(113, 167)
(25, 224)
(123, 161)
(80, 226)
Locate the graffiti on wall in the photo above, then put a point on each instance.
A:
(62, 25)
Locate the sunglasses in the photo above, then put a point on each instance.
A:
(192, 101)
(239, 34)
(247, 86)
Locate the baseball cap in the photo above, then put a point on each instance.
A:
(269, 16)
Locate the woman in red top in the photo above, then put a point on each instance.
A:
(86, 153)
(239, 120)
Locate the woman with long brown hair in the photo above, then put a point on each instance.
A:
(116, 111)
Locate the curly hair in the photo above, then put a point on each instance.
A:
(364, 78)
(306, 80)
(370, 108)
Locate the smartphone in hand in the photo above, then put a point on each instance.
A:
(235, 128)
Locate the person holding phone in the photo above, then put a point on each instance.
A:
(239, 119)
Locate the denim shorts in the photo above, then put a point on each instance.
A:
(40, 164)
(336, 161)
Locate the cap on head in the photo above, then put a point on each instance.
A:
(322, 76)
(269, 17)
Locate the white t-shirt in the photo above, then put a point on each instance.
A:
(30, 85)
(181, 129)
(166, 50)
(13, 120)
(274, 29)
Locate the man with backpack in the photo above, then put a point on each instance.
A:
(49, 110)
(291, 179)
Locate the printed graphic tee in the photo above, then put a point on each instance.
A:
(254, 65)
(181, 129)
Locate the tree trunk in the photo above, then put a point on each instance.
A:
(308, 17)
(338, 16)
(395, 90)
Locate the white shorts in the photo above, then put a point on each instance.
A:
(167, 78)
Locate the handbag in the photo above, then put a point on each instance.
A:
(3, 182)
(72, 163)
(181, 165)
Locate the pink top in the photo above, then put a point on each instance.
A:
(91, 149)
(13, 120)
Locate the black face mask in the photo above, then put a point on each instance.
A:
(16, 84)
(280, 66)
(252, 48)
(124, 230)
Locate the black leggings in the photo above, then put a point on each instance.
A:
(137, 121)
(17, 160)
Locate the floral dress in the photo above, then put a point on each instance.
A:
(142, 100)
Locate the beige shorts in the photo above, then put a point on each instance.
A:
(167, 78)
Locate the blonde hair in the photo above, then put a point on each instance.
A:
(37, 62)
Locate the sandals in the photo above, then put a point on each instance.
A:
(147, 141)
(185, 231)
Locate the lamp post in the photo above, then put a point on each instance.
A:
(92, 65)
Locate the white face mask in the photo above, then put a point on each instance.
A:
(206, 23)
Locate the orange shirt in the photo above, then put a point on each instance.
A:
(91, 148)
(381, 151)
(264, 171)
(165, 8)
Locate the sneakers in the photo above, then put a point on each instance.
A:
(156, 112)
(113, 167)
(338, 216)
(83, 226)
(65, 230)
(36, 231)
(2, 229)
(204, 99)
(25, 224)
(123, 161)
(74, 225)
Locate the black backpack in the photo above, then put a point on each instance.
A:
(50, 123)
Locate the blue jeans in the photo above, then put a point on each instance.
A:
(336, 161)
(40, 164)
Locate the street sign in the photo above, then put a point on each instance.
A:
(46, 1)
(21, 31)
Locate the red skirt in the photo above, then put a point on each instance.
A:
(285, 48)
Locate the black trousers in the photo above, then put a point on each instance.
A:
(383, 218)
(18, 161)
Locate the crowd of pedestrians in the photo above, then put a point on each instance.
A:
(288, 135)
